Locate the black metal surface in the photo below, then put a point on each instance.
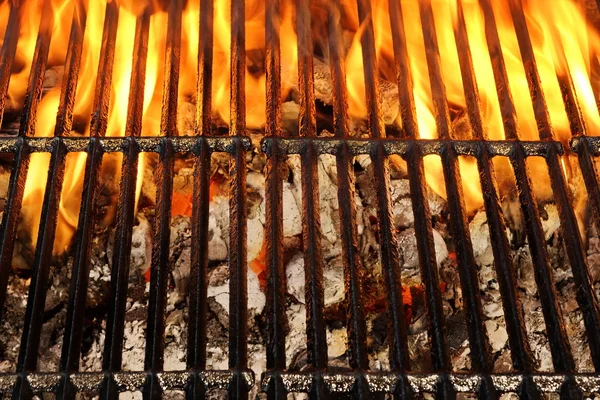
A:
(317, 380)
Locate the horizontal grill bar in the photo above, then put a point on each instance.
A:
(297, 145)
(299, 382)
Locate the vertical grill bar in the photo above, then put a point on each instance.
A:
(72, 338)
(480, 349)
(112, 356)
(196, 358)
(588, 170)
(521, 354)
(557, 337)
(16, 187)
(423, 231)
(238, 269)
(276, 284)
(311, 222)
(390, 257)
(38, 68)
(577, 258)
(64, 119)
(353, 269)
(159, 269)
(7, 54)
(36, 299)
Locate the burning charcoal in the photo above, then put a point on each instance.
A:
(295, 341)
(219, 291)
(480, 237)
(323, 91)
(337, 340)
(496, 334)
(186, 114)
(295, 277)
(141, 245)
(53, 77)
(407, 244)
(289, 117)
(594, 258)
(218, 227)
(550, 221)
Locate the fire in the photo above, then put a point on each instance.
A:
(564, 43)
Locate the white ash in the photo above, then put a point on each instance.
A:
(256, 298)
(497, 335)
(333, 280)
(186, 114)
(141, 244)
(218, 228)
(407, 244)
(290, 112)
(53, 77)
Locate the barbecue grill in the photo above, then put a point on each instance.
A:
(318, 380)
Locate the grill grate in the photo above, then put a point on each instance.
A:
(318, 381)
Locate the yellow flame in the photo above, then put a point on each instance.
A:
(560, 28)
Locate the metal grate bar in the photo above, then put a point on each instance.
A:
(311, 222)
(521, 354)
(577, 258)
(18, 176)
(391, 260)
(196, 356)
(7, 54)
(77, 299)
(105, 68)
(238, 269)
(36, 75)
(275, 273)
(467, 267)
(353, 268)
(28, 350)
(163, 175)
(507, 105)
(112, 357)
(557, 338)
(64, 117)
(588, 169)
(423, 231)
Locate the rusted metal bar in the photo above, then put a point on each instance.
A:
(391, 260)
(64, 117)
(238, 269)
(7, 54)
(197, 340)
(276, 280)
(36, 299)
(423, 229)
(585, 292)
(112, 357)
(160, 268)
(559, 345)
(36, 75)
(105, 68)
(353, 268)
(480, 349)
(71, 349)
(311, 222)
(522, 357)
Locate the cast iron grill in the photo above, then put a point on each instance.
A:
(318, 381)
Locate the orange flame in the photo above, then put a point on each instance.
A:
(563, 41)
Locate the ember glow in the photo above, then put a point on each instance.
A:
(563, 41)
